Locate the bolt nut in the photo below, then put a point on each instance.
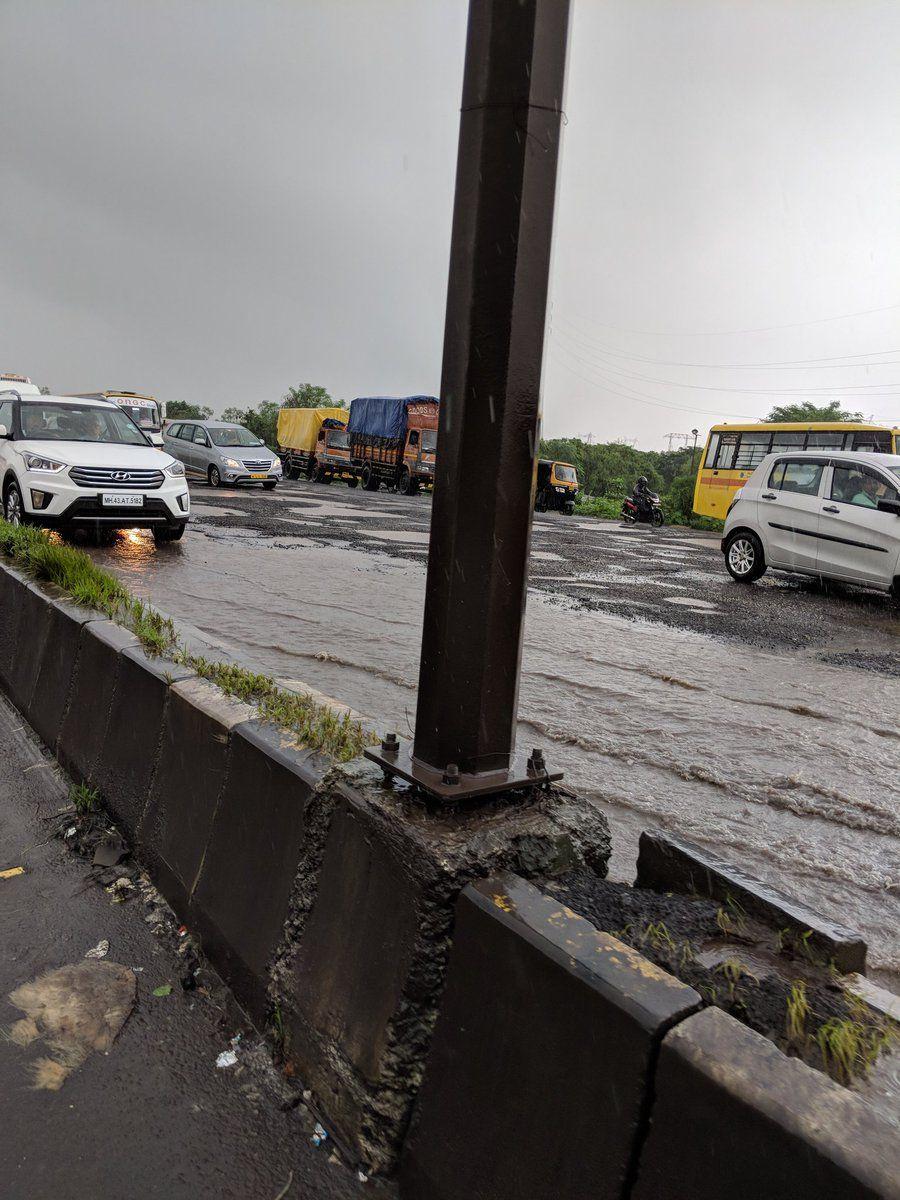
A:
(390, 743)
(451, 774)
(536, 762)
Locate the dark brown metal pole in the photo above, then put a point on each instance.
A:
(490, 387)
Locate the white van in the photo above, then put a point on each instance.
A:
(835, 515)
(20, 382)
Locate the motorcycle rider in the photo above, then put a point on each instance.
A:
(641, 494)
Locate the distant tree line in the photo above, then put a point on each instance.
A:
(608, 470)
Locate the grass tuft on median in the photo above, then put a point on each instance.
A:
(49, 560)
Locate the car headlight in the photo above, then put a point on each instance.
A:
(37, 462)
(275, 467)
(233, 463)
(175, 468)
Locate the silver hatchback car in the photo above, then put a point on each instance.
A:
(222, 453)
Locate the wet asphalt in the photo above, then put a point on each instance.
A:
(153, 1116)
(672, 576)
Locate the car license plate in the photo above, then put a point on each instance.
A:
(122, 500)
(264, 475)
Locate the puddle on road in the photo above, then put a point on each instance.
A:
(743, 751)
(691, 603)
(396, 535)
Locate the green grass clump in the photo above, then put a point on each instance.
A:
(849, 1047)
(797, 1015)
(315, 725)
(45, 558)
(598, 506)
(84, 799)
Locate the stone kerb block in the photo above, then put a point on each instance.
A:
(129, 747)
(540, 1069)
(241, 899)
(193, 752)
(83, 729)
(734, 1117)
(55, 666)
(13, 585)
(362, 970)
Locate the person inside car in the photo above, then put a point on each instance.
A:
(867, 492)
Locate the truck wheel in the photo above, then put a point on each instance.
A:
(408, 485)
(310, 468)
(320, 476)
(369, 479)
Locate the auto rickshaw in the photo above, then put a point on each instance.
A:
(557, 487)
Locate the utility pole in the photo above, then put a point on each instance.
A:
(694, 449)
(509, 136)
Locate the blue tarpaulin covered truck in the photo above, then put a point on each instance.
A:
(393, 440)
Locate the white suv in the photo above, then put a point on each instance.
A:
(66, 461)
(829, 514)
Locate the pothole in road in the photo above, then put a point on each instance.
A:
(396, 535)
(691, 603)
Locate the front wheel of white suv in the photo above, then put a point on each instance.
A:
(13, 508)
(744, 557)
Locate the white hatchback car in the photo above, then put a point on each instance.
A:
(829, 514)
(67, 461)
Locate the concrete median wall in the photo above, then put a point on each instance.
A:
(404, 946)
(565, 1065)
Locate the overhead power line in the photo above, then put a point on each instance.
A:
(836, 391)
(866, 312)
(828, 363)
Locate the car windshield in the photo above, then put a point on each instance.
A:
(429, 439)
(566, 474)
(79, 423)
(145, 415)
(236, 435)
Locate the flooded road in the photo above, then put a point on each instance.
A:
(781, 752)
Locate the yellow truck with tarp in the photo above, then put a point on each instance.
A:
(299, 432)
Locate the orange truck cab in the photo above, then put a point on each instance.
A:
(333, 454)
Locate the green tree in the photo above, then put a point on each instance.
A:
(308, 395)
(181, 410)
(807, 411)
(262, 420)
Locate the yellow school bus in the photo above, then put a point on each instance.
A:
(733, 451)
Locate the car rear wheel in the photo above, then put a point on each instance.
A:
(215, 479)
(13, 508)
(744, 556)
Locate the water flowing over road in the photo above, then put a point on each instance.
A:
(786, 758)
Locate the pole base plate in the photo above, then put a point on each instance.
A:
(520, 774)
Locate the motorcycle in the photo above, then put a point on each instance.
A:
(649, 512)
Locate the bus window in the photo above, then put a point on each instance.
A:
(752, 450)
(877, 440)
(827, 439)
(727, 451)
(711, 450)
(787, 441)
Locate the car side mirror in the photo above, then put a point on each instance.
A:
(891, 506)
(4, 432)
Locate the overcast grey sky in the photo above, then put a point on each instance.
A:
(212, 199)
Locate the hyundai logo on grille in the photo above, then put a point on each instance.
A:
(121, 475)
